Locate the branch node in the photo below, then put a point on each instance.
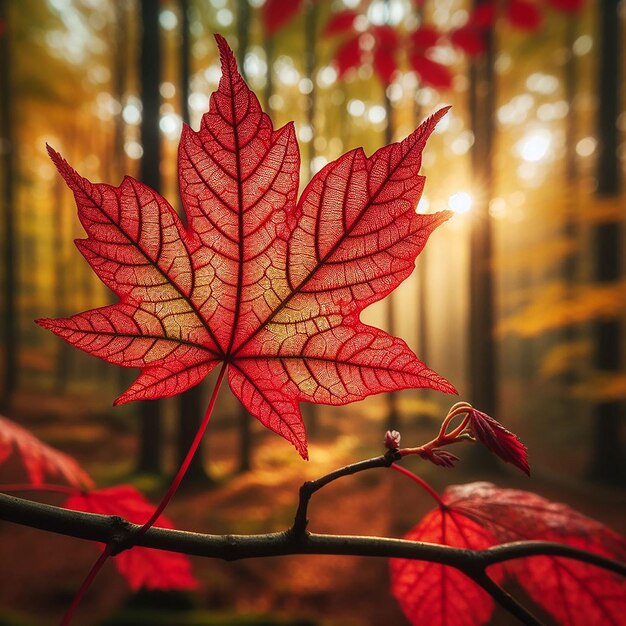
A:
(392, 456)
(122, 536)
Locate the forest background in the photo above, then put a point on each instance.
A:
(519, 299)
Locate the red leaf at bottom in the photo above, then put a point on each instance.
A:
(573, 592)
(142, 567)
(438, 595)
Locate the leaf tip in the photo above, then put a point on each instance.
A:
(227, 58)
(45, 322)
(499, 440)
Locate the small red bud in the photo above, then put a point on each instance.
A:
(392, 440)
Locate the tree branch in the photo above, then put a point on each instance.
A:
(119, 534)
(505, 599)
(311, 486)
(112, 529)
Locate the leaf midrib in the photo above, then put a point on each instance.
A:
(297, 290)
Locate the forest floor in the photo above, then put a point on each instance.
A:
(39, 572)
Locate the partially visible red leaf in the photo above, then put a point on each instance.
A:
(483, 16)
(469, 39)
(385, 35)
(384, 64)
(573, 592)
(567, 6)
(277, 13)
(142, 567)
(437, 595)
(431, 73)
(524, 15)
(423, 38)
(499, 440)
(39, 458)
(348, 56)
(340, 23)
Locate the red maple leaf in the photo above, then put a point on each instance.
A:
(340, 23)
(268, 285)
(39, 458)
(275, 14)
(142, 567)
(480, 515)
(469, 39)
(439, 595)
(524, 15)
(573, 592)
(348, 55)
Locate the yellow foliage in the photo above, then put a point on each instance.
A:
(603, 210)
(542, 255)
(602, 387)
(562, 358)
(555, 308)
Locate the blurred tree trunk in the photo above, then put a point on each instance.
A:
(422, 261)
(243, 37)
(150, 418)
(482, 373)
(61, 371)
(571, 230)
(310, 61)
(8, 369)
(268, 47)
(393, 417)
(120, 36)
(607, 463)
(119, 62)
(190, 406)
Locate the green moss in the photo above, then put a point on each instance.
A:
(13, 619)
(201, 618)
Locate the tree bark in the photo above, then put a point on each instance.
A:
(607, 463)
(150, 419)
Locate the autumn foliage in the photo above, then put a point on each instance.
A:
(271, 287)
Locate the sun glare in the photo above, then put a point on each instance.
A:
(535, 146)
(460, 202)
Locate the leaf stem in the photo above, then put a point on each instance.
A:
(187, 461)
(420, 481)
(66, 489)
(93, 572)
(114, 544)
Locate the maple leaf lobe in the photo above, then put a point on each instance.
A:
(268, 284)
